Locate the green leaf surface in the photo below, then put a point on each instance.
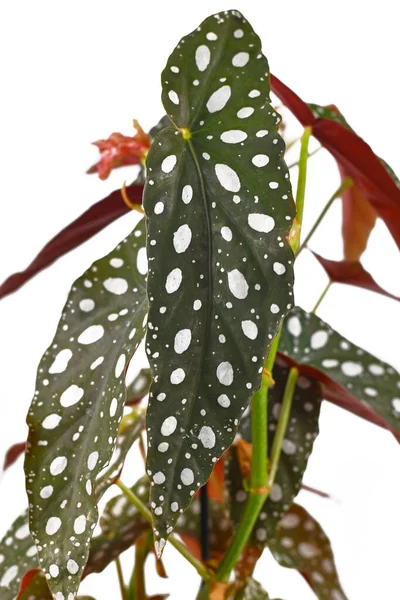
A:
(301, 544)
(309, 341)
(296, 448)
(219, 207)
(17, 555)
(77, 408)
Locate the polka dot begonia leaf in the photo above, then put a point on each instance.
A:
(77, 407)
(301, 544)
(219, 208)
(18, 546)
(296, 448)
(315, 346)
(17, 555)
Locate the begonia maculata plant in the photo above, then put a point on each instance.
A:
(227, 410)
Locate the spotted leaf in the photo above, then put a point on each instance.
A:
(301, 432)
(219, 207)
(75, 414)
(17, 555)
(302, 544)
(344, 368)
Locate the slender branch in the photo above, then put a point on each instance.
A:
(122, 587)
(310, 154)
(178, 545)
(137, 586)
(348, 182)
(301, 183)
(282, 423)
(322, 296)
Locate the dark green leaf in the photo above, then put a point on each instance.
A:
(17, 555)
(77, 408)
(301, 544)
(297, 445)
(310, 341)
(219, 206)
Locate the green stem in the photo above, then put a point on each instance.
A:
(260, 481)
(346, 184)
(301, 183)
(282, 423)
(137, 586)
(310, 154)
(322, 296)
(182, 549)
(252, 509)
(259, 470)
(122, 587)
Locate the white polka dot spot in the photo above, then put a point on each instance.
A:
(202, 57)
(187, 476)
(91, 334)
(260, 222)
(249, 329)
(169, 425)
(168, 163)
(182, 238)
(61, 361)
(71, 396)
(238, 285)
(207, 437)
(225, 373)
(182, 340)
(227, 177)
(233, 136)
(218, 99)
(177, 376)
(174, 280)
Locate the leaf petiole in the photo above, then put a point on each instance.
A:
(182, 549)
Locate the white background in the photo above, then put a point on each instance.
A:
(73, 72)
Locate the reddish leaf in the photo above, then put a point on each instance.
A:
(374, 180)
(13, 454)
(33, 580)
(120, 151)
(292, 101)
(96, 218)
(351, 272)
(358, 220)
(352, 404)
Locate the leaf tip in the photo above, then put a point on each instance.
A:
(159, 546)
